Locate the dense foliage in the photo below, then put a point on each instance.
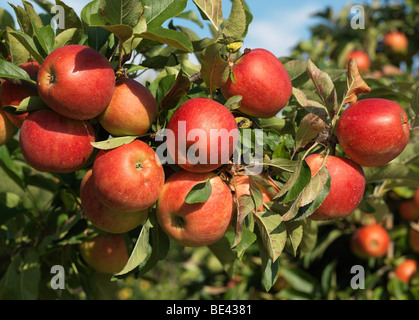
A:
(276, 253)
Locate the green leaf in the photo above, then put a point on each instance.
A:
(179, 89)
(296, 183)
(270, 268)
(245, 205)
(66, 37)
(34, 17)
(215, 71)
(309, 128)
(122, 32)
(91, 15)
(22, 277)
(211, 10)
(324, 86)
(23, 19)
(6, 19)
(113, 142)
(12, 71)
(199, 192)
(256, 192)
(30, 103)
(28, 43)
(280, 125)
(283, 164)
(18, 53)
(233, 102)
(310, 198)
(222, 250)
(297, 71)
(390, 171)
(300, 280)
(159, 243)
(309, 240)
(46, 38)
(170, 37)
(294, 236)
(236, 24)
(273, 232)
(141, 251)
(71, 19)
(157, 12)
(310, 105)
(117, 12)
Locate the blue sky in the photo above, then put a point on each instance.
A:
(277, 24)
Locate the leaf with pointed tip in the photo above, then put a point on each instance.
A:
(113, 142)
(170, 37)
(273, 232)
(310, 126)
(12, 71)
(211, 10)
(117, 12)
(356, 85)
(178, 90)
(324, 85)
(296, 183)
(199, 192)
(215, 71)
(244, 207)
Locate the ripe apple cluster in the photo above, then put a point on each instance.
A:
(79, 87)
(263, 94)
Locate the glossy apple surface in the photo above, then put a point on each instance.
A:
(347, 186)
(103, 217)
(128, 178)
(132, 109)
(372, 132)
(262, 81)
(201, 135)
(198, 224)
(76, 81)
(53, 143)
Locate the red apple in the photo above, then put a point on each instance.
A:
(53, 143)
(198, 224)
(346, 190)
(370, 241)
(105, 253)
(7, 129)
(372, 132)
(406, 270)
(131, 111)
(241, 185)
(103, 217)
(414, 240)
(361, 58)
(13, 94)
(201, 135)
(262, 81)
(408, 210)
(128, 178)
(396, 41)
(76, 81)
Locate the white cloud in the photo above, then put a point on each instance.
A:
(280, 31)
